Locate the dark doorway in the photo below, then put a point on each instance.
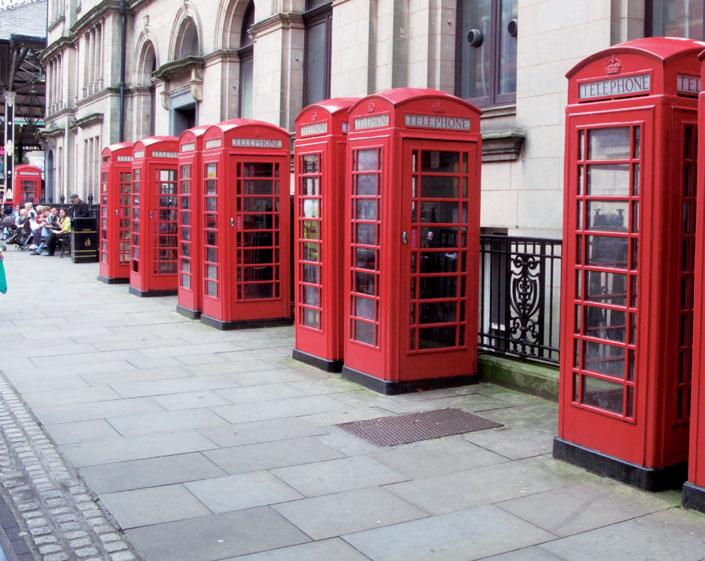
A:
(184, 118)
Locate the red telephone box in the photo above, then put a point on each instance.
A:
(190, 294)
(246, 240)
(28, 184)
(694, 488)
(412, 229)
(115, 200)
(628, 261)
(319, 208)
(153, 268)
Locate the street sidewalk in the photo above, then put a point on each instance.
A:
(205, 445)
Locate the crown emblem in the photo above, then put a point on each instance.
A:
(371, 107)
(437, 107)
(614, 65)
(314, 116)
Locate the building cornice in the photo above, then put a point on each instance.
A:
(277, 21)
(54, 24)
(177, 68)
(52, 132)
(502, 146)
(55, 46)
(94, 14)
(88, 120)
(226, 55)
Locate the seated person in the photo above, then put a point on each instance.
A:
(56, 230)
(36, 224)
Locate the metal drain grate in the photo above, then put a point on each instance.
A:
(403, 429)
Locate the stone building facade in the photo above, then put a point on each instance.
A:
(190, 62)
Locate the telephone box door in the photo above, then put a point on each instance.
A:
(438, 259)
(164, 220)
(602, 276)
(255, 233)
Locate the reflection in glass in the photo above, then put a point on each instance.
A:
(605, 324)
(606, 251)
(608, 180)
(364, 308)
(604, 359)
(607, 216)
(437, 337)
(439, 187)
(609, 144)
(607, 288)
(364, 332)
(310, 163)
(603, 394)
(367, 160)
(366, 185)
(440, 162)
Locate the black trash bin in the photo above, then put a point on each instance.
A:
(84, 240)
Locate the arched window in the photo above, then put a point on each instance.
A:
(246, 62)
(148, 64)
(187, 40)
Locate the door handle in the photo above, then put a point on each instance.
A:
(232, 222)
(117, 212)
(404, 238)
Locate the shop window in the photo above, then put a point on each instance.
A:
(246, 62)
(675, 18)
(486, 51)
(318, 18)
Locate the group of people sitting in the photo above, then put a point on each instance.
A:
(44, 225)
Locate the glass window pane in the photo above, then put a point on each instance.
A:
(607, 216)
(606, 252)
(609, 144)
(364, 332)
(605, 324)
(437, 337)
(440, 162)
(508, 48)
(608, 180)
(475, 57)
(246, 81)
(316, 61)
(677, 18)
(607, 288)
(367, 160)
(603, 394)
(604, 359)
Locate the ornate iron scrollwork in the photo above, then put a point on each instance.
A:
(526, 300)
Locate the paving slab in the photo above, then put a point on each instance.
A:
(459, 536)
(325, 550)
(514, 443)
(165, 421)
(124, 449)
(435, 457)
(217, 536)
(335, 476)
(82, 431)
(292, 407)
(190, 400)
(238, 492)
(267, 392)
(348, 512)
(576, 509)
(663, 536)
(269, 455)
(486, 485)
(153, 505)
(96, 410)
(151, 472)
(261, 431)
(69, 397)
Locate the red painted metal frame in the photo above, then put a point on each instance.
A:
(190, 295)
(627, 267)
(114, 221)
(153, 260)
(319, 207)
(28, 184)
(694, 489)
(246, 240)
(401, 144)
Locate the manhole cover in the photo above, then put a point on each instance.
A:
(402, 429)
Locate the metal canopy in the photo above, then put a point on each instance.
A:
(21, 70)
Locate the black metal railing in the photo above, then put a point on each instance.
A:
(520, 297)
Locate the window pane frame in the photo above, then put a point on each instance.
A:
(493, 44)
(322, 14)
(649, 20)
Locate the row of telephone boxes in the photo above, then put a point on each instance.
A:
(385, 232)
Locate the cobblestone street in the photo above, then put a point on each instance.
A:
(131, 432)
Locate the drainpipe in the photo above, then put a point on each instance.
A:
(123, 51)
